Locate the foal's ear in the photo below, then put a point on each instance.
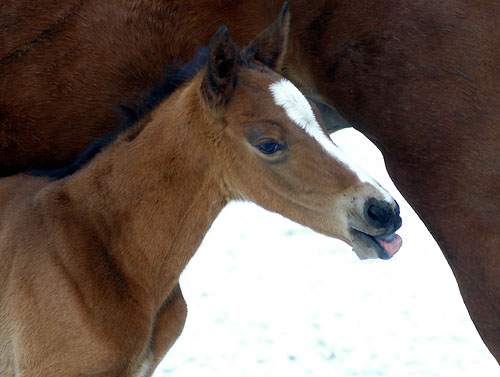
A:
(270, 46)
(220, 76)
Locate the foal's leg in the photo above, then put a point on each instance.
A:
(169, 325)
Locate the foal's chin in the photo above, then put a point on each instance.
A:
(367, 246)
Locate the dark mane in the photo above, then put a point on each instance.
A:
(174, 77)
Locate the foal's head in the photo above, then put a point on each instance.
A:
(273, 150)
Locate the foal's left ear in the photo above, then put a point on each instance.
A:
(270, 46)
(220, 77)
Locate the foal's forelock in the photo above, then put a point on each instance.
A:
(299, 110)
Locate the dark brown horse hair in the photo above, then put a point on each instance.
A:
(174, 77)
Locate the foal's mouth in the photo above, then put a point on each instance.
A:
(367, 246)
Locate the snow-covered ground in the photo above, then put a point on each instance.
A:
(268, 297)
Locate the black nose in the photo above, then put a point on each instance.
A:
(382, 214)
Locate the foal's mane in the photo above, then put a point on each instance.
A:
(174, 76)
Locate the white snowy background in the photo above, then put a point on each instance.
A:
(268, 297)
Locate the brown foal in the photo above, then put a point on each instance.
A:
(91, 256)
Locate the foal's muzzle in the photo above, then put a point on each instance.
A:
(376, 238)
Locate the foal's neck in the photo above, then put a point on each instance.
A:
(152, 199)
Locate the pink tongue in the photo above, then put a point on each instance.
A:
(393, 246)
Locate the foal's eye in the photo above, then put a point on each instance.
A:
(269, 147)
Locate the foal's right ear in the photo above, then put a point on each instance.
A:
(219, 81)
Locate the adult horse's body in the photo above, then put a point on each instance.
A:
(419, 78)
(91, 261)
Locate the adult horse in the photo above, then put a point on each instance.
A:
(419, 78)
(91, 260)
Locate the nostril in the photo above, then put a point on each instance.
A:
(381, 214)
(378, 213)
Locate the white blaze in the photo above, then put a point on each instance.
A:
(299, 110)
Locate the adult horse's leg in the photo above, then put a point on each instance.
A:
(420, 79)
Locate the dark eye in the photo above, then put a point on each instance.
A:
(269, 147)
